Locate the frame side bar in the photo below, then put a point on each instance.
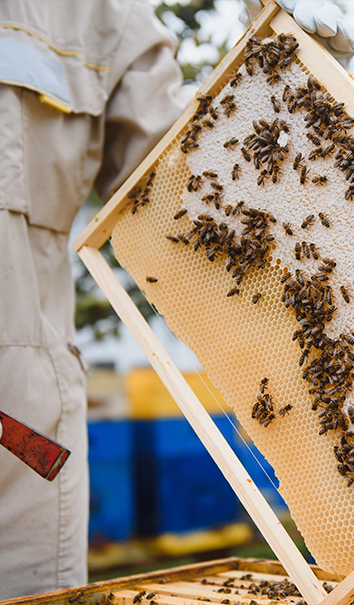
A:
(248, 493)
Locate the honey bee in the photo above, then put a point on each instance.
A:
(227, 99)
(304, 357)
(287, 228)
(213, 112)
(303, 175)
(256, 297)
(245, 154)
(286, 93)
(204, 99)
(315, 140)
(324, 220)
(233, 291)
(235, 173)
(219, 188)
(210, 174)
(297, 251)
(264, 174)
(344, 293)
(350, 411)
(194, 182)
(349, 194)
(273, 78)
(320, 180)
(173, 238)
(248, 67)
(306, 250)
(139, 596)
(205, 217)
(307, 221)
(228, 209)
(231, 143)
(238, 208)
(276, 172)
(181, 213)
(263, 385)
(268, 420)
(236, 79)
(330, 262)
(297, 161)
(182, 238)
(328, 150)
(285, 410)
(285, 277)
(151, 595)
(275, 103)
(208, 123)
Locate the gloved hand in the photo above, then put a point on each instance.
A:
(319, 17)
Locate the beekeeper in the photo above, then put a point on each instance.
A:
(86, 90)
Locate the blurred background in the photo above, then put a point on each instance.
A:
(157, 499)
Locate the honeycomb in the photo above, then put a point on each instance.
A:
(242, 327)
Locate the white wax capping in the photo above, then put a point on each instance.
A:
(283, 139)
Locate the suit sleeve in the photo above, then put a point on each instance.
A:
(146, 100)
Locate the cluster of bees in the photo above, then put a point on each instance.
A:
(267, 147)
(328, 364)
(273, 589)
(345, 454)
(240, 254)
(263, 410)
(271, 56)
(331, 373)
(140, 196)
(330, 122)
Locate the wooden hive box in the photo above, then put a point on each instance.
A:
(129, 201)
(238, 580)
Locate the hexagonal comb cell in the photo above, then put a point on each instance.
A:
(245, 246)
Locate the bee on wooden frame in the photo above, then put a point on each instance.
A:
(236, 79)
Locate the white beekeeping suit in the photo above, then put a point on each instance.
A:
(87, 88)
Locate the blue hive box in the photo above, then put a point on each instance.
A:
(112, 497)
(179, 486)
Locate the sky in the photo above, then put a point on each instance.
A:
(124, 353)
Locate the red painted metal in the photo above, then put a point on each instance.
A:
(42, 454)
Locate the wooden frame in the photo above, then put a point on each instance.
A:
(336, 80)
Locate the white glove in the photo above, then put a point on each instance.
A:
(318, 17)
